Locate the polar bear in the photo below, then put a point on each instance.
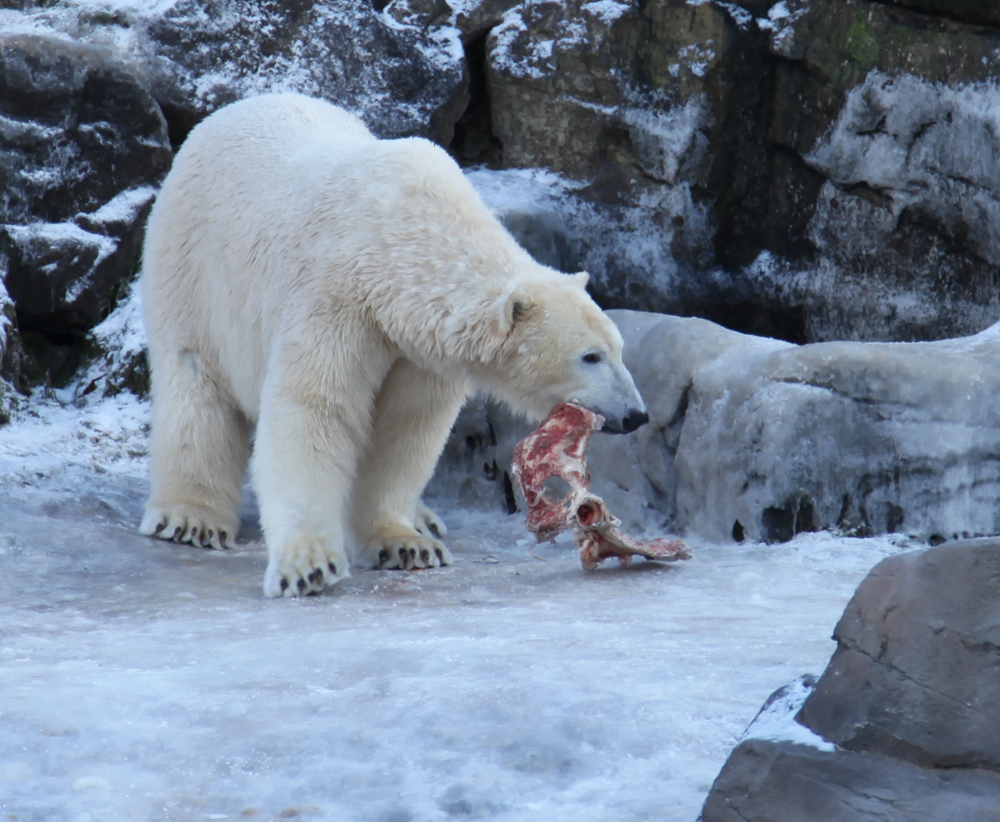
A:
(337, 297)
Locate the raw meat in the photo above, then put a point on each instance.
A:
(557, 448)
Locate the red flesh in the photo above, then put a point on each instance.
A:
(557, 448)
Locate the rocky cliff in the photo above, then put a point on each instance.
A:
(805, 169)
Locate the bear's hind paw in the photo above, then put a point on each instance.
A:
(190, 524)
(304, 565)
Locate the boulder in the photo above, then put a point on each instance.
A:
(903, 725)
(760, 439)
(917, 666)
(83, 148)
(765, 781)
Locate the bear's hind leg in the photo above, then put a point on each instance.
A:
(198, 456)
(414, 412)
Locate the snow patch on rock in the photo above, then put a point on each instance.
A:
(776, 720)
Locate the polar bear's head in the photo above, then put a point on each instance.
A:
(560, 346)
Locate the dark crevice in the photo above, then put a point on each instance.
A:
(474, 142)
(180, 121)
(960, 12)
(798, 515)
(510, 501)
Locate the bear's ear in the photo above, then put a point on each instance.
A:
(519, 307)
(582, 278)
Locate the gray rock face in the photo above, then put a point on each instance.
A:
(755, 438)
(84, 146)
(917, 667)
(601, 93)
(883, 178)
(764, 781)
(909, 698)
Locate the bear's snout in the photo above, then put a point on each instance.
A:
(635, 418)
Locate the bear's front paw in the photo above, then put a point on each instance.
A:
(190, 523)
(400, 547)
(305, 564)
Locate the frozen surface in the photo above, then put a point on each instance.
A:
(145, 681)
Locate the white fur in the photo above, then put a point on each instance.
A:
(342, 294)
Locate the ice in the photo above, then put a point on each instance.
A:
(143, 680)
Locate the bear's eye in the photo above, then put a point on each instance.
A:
(592, 358)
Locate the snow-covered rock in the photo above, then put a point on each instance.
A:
(118, 360)
(755, 438)
(11, 355)
(400, 79)
(84, 146)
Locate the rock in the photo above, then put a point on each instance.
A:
(11, 356)
(908, 698)
(884, 172)
(117, 352)
(917, 666)
(84, 146)
(400, 79)
(759, 439)
(765, 781)
(616, 101)
(472, 18)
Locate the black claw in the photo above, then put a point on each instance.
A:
(284, 584)
(301, 585)
(177, 532)
(440, 555)
(333, 568)
(211, 533)
(425, 555)
(316, 576)
(160, 527)
(434, 529)
(383, 556)
(222, 538)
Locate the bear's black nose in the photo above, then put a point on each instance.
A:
(634, 419)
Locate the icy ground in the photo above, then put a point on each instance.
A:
(145, 681)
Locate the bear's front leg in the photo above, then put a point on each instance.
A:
(414, 412)
(305, 454)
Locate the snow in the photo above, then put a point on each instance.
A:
(124, 206)
(143, 680)
(776, 720)
(607, 11)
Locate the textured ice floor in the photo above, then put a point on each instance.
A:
(145, 681)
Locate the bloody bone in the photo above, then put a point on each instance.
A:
(557, 448)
